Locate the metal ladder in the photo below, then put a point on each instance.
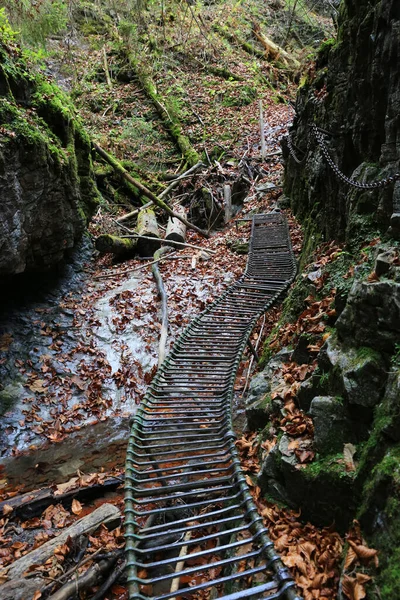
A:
(192, 528)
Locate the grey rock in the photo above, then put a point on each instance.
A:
(332, 425)
(372, 315)
(357, 374)
(301, 355)
(306, 393)
(384, 262)
(269, 468)
(287, 457)
(258, 414)
(392, 402)
(259, 386)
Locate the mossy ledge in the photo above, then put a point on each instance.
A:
(46, 167)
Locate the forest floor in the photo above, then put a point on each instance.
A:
(92, 349)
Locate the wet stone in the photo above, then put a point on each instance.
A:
(332, 425)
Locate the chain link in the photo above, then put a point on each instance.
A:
(363, 186)
(357, 184)
(292, 153)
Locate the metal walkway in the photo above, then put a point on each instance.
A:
(192, 529)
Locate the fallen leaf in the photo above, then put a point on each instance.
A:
(37, 386)
(7, 509)
(76, 507)
(348, 454)
(5, 341)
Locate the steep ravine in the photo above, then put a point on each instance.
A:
(340, 328)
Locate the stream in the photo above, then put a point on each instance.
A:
(77, 351)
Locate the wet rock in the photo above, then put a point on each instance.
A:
(301, 354)
(332, 425)
(47, 191)
(372, 315)
(357, 374)
(9, 395)
(307, 391)
(384, 262)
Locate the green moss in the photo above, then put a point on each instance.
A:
(324, 51)
(40, 116)
(331, 466)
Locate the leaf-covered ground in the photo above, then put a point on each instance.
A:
(89, 357)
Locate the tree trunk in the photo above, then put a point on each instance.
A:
(147, 226)
(160, 203)
(107, 514)
(112, 244)
(176, 230)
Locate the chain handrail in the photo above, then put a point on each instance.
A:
(317, 133)
(357, 184)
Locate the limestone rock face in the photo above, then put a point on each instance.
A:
(354, 94)
(332, 425)
(39, 212)
(358, 375)
(47, 188)
(372, 315)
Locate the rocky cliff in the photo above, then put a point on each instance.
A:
(47, 187)
(353, 94)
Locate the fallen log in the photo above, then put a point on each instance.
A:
(133, 213)
(112, 244)
(160, 203)
(167, 113)
(273, 51)
(164, 305)
(107, 514)
(147, 230)
(35, 502)
(184, 245)
(91, 577)
(21, 588)
(176, 230)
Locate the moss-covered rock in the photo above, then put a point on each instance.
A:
(46, 177)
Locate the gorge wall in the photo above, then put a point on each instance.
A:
(47, 187)
(352, 93)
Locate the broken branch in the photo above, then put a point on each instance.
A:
(146, 192)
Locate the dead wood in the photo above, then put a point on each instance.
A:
(91, 577)
(164, 303)
(109, 582)
(176, 230)
(112, 244)
(107, 514)
(148, 239)
(167, 114)
(133, 213)
(179, 177)
(146, 192)
(273, 51)
(228, 203)
(35, 502)
(106, 69)
(184, 245)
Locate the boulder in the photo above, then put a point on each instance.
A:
(332, 425)
(372, 315)
(357, 374)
